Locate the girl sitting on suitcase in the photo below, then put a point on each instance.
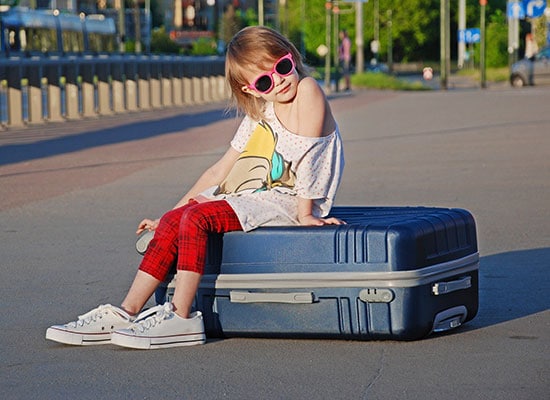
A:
(283, 167)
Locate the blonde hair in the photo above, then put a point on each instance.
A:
(259, 46)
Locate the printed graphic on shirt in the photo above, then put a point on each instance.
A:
(259, 167)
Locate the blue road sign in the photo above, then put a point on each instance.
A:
(534, 8)
(515, 10)
(471, 35)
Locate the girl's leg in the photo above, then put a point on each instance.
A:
(187, 284)
(159, 258)
(142, 288)
(196, 223)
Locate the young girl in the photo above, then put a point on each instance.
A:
(283, 168)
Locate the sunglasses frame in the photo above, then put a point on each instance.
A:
(270, 74)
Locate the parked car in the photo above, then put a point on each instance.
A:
(532, 71)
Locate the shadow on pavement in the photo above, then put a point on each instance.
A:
(14, 153)
(512, 285)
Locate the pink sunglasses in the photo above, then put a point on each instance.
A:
(282, 67)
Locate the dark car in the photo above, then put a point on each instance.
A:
(532, 71)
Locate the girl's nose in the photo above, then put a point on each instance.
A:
(277, 79)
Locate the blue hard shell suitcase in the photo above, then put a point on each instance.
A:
(389, 273)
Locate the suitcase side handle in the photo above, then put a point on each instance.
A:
(267, 297)
(452, 286)
(449, 319)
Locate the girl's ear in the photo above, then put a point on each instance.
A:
(247, 90)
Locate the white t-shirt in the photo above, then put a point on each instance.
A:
(276, 166)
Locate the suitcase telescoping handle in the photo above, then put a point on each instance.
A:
(267, 297)
(452, 286)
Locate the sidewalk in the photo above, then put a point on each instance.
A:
(70, 205)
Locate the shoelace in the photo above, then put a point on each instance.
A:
(152, 317)
(90, 316)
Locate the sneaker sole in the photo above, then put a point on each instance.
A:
(157, 342)
(143, 241)
(77, 339)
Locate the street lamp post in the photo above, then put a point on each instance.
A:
(119, 4)
(482, 57)
(328, 9)
(260, 12)
(359, 42)
(445, 43)
(390, 41)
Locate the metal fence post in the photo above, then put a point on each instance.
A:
(104, 88)
(72, 98)
(144, 74)
(196, 83)
(166, 78)
(177, 82)
(15, 95)
(188, 97)
(34, 74)
(53, 74)
(117, 74)
(154, 80)
(88, 89)
(130, 83)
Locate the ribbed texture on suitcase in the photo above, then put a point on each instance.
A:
(374, 238)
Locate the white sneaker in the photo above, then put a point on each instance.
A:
(94, 327)
(143, 241)
(160, 327)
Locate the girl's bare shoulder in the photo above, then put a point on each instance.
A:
(309, 86)
(315, 116)
(310, 96)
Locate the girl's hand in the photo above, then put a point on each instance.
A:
(314, 221)
(147, 224)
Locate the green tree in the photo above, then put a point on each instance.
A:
(415, 29)
(497, 40)
(231, 22)
(414, 26)
(161, 42)
(306, 25)
(204, 47)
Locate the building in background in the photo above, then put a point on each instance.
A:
(186, 21)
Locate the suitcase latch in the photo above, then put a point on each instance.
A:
(376, 295)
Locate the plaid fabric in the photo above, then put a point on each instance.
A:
(181, 237)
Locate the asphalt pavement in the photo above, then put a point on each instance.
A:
(73, 193)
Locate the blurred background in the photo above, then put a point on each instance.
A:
(72, 59)
(382, 31)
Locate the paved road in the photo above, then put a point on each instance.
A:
(73, 193)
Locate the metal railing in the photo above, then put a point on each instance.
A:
(35, 90)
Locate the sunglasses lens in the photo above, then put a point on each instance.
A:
(284, 67)
(263, 84)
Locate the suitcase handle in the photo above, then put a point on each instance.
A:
(256, 297)
(449, 319)
(452, 286)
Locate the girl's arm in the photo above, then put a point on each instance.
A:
(305, 216)
(314, 119)
(211, 177)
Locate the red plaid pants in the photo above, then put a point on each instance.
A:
(181, 237)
